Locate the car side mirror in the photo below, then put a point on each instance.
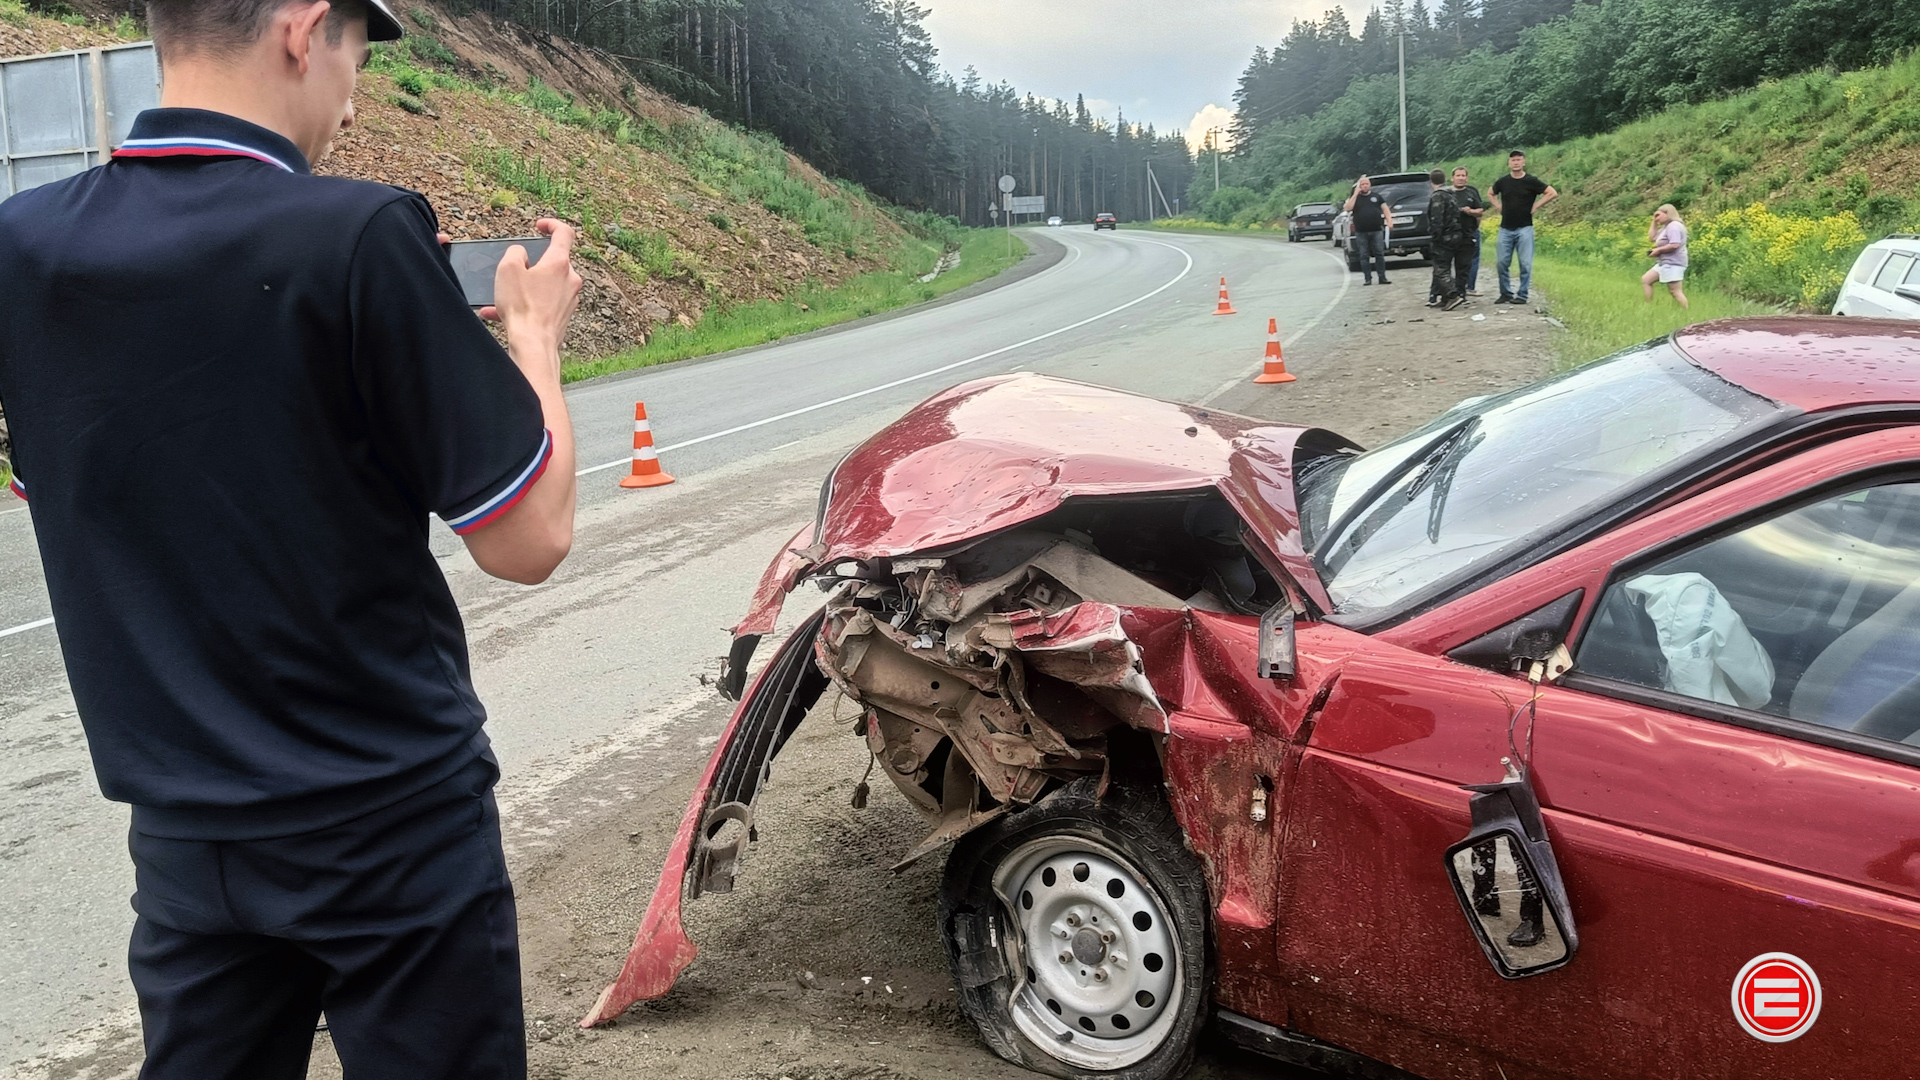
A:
(1277, 656)
(1907, 292)
(1508, 883)
(1527, 640)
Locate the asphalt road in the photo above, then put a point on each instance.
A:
(605, 661)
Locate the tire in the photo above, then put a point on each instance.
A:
(1100, 1004)
(1353, 264)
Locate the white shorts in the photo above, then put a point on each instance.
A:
(1671, 274)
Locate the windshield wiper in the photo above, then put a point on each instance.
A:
(1443, 474)
(1436, 445)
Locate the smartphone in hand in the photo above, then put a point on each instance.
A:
(476, 261)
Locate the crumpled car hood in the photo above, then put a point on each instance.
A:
(998, 452)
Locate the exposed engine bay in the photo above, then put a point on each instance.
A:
(993, 674)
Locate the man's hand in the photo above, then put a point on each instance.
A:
(534, 303)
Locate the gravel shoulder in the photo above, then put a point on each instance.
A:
(822, 965)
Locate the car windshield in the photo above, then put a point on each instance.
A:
(1315, 208)
(1495, 474)
(1407, 196)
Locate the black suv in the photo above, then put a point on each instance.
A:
(1105, 221)
(1407, 195)
(1311, 219)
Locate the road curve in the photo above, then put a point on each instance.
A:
(604, 660)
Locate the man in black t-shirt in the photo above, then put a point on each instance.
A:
(237, 390)
(1467, 198)
(1372, 217)
(1516, 196)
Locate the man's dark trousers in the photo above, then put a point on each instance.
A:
(1372, 247)
(1452, 263)
(1440, 257)
(1465, 254)
(399, 925)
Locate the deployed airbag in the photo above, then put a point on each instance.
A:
(1709, 652)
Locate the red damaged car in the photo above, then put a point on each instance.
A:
(1571, 735)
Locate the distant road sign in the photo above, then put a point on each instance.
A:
(1026, 204)
(1007, 184)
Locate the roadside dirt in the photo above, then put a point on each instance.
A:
(1384, 363)
(822, 965)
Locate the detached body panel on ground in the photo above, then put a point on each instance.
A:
(1310, 653)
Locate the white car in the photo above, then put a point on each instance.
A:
(1884, 281)
(1054, 223)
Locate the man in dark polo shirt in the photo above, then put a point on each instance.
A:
(237, 391)
(1371, 220)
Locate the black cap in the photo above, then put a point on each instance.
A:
(382, 24)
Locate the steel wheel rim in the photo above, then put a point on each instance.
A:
(1100, 994)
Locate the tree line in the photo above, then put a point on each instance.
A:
(853, 87)
(1323, 103)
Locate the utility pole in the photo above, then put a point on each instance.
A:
(1213, 143)
(1403, 96)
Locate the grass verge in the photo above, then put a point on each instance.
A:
(1604, 310)
(983, 253)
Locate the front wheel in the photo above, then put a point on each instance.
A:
(1077, 932)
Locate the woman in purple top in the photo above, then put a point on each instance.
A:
(1668, 237)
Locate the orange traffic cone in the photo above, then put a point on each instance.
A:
(1226, 306)
(646, 463)
(1276, 370)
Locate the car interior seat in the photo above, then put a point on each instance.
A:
(1866, 667)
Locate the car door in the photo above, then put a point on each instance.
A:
(1706, 816)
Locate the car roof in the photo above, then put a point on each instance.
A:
(1812, 362)
(1400, 178)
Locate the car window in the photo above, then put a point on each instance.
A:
(1812, 614)
(1864, 267)
(1496, 474)
(1913, 275)
(1891, 273)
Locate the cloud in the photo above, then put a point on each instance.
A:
(1213, 116)
(1157, 59)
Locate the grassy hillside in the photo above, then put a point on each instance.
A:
(1781, 186)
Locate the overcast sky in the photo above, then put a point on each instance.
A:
(1162, 61)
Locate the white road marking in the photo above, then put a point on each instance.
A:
(1346, 279)
(943, 369)
(24, 627)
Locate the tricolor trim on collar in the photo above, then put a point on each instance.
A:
(509, 496)
(182, 147)
(18, 487)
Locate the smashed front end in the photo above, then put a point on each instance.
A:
(984, 595)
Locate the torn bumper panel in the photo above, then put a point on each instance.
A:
(719, 819)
